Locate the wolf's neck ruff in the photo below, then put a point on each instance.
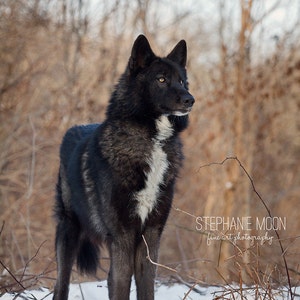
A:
(158, 163)
(164, 128)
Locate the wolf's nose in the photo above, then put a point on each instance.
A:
(188, 100)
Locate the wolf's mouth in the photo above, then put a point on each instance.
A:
(181, 112)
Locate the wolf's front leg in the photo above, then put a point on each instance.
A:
(121, 267)
(145, 270)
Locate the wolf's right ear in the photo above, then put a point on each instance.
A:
(141, 54)
(178, 54)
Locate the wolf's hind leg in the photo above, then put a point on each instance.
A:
(67, 239)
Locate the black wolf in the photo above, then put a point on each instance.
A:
(116, 179)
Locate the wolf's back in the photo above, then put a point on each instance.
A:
(72, 138)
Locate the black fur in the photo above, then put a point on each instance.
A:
(116, 179)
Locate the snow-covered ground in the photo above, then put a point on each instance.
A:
(98, 290)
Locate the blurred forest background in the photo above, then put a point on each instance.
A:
(59, 62)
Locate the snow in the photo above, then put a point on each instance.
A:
(98, 290)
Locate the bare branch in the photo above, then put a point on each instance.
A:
(12, 275)
(153, 262)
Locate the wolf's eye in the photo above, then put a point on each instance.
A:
(181, 82)
(161, 79)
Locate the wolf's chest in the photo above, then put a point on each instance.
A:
(158, 165)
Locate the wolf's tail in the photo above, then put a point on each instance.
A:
(88, 257)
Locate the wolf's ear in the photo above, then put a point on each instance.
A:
(141, 54)
(178, 54)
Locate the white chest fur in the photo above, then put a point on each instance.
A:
(158, 164)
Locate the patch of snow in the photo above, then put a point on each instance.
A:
(98, 290)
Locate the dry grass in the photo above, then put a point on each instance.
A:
(54, 76)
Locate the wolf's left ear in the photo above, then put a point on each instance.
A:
(179, 53)
(141, 54)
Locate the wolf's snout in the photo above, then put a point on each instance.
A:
(187, 100)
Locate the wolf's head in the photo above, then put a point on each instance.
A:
(164, 79)
(152, 86)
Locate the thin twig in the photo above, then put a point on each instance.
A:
(81, 291)
(2, 227)
(33, 159)
(153, 262)
(31, 175)
(193, 286)
(170, 269)
(12, 275)
(185, 212)
(189, 291)
(31, 259)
